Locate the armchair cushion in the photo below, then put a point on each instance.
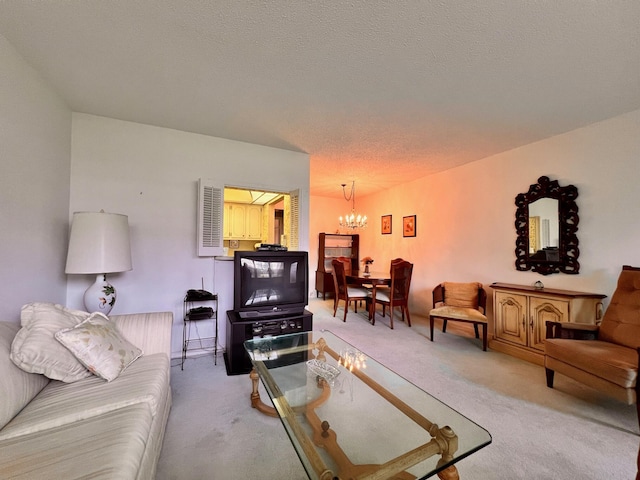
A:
(464, 295)
(458, 313)
(615, 363)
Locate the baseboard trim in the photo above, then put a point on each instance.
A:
(517, 351)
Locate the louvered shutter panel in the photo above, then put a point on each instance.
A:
(210, 216)
(294, 240)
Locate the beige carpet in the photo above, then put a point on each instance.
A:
(569, 432)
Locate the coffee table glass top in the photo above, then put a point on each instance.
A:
(349, 416)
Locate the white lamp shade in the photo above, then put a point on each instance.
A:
(99, 243)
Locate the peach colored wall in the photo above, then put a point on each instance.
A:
(324, 213)
(465, 216)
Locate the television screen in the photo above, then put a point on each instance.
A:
(270, 283)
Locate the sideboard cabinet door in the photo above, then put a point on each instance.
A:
(542, 310)
(522, 312)
(511, 317)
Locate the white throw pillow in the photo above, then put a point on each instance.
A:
(35, 349)
(17, 387)
(97, 343)
(33, 312)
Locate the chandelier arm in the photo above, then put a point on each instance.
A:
(353, 196)
(344, 193)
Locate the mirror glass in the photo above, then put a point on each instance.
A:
(544, 231)
(546, 227)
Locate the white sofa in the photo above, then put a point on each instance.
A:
(89, 428)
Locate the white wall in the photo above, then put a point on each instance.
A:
(150, 174)
(465, 216)
(35, 146)
(323, 219)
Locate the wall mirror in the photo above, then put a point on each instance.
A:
(546, 228)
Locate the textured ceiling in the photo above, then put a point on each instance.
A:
(378, 92)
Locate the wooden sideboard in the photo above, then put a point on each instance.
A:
(521, 312)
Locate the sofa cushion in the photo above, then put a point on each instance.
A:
(99, 346)
(464, 295)
(612, 362)
(16, 386)
(35, 349)
(146, 381)
(108, 446)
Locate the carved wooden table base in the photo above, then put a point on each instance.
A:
(443, 442)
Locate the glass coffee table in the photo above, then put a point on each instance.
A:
(349, 417)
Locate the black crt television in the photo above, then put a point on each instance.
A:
(268, 284)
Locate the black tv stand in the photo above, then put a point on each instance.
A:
(241, 329)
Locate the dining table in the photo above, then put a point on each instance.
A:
(371, 280)
(360, 277)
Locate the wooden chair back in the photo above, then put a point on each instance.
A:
(401, 272)
(394, 261)
(346, 261)
(339, 278)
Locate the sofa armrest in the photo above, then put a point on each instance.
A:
(149, 331)
(572, 330)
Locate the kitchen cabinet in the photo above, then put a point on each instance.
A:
(253, 218)
(521, 313)
(242, 222)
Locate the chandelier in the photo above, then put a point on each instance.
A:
(352, 220)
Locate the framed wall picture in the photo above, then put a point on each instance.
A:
(386, 224)
(409, 226)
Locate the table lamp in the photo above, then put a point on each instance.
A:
(99, 244)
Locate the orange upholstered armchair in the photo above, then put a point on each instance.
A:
(605, 356)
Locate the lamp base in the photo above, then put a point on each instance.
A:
(101, 296)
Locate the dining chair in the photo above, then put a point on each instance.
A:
(348, 268)
(460, 302)
(345, 292)
(346, 261)
(396, 295)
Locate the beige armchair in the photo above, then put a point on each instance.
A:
(605, 356)
(460, 302)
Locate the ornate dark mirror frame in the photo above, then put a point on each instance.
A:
(568, 250)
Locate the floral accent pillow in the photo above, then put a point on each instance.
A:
(99, 346)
